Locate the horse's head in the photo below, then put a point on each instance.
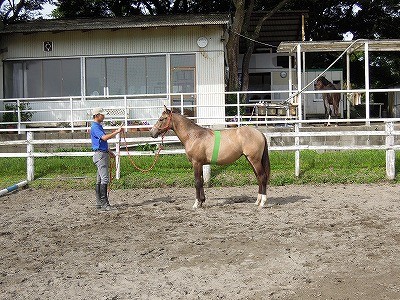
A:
(320, 83)
(163, 124)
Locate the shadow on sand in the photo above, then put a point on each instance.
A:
(221, 201)
(271, 201)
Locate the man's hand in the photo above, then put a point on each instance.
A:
(119, 130)
(106, 137)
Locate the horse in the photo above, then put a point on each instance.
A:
(329, 98)
(200, 145)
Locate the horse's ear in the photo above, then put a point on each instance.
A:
(166, 109)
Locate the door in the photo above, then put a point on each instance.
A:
(183, 81)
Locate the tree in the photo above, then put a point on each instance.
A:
(328, 20)
(14, 10)
(122, 8)
(254, 36)
(376, 19)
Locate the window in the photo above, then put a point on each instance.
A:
(71, 77)
(95, 76)
(116, 76)
(13, 80)
(33, 79)
(183, 81)
(52, 80)
(126, 75)
(136, 75)
(156, 75)
(104, 76)
(146, 75)
(42, 78)
(260, 82)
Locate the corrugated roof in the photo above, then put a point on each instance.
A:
(282, 26)
(140, 21)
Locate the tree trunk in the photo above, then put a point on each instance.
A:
(232, 46)
(250, 45)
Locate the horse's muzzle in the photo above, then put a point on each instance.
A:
(154, 132)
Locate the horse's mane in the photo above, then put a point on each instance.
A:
(324, 81)
(188, 122)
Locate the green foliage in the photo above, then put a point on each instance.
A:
(17, 10)
(147, 147)
(344, 167)
(12, 112)
(124, 8)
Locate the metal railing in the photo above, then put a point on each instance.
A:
(73, 113)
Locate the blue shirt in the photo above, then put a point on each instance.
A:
(96, 132)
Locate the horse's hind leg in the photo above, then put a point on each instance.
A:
(262, 187)
(199, 183)
(262, 179)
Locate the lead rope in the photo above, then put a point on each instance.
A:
(155, 157)
(112, 158)
(113, 162)
(160, 147)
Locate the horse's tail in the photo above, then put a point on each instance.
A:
(265, 159)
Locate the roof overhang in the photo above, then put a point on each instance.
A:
(147, 21)
(281, 26)
(340, 46)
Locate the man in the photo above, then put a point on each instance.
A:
(101, 157)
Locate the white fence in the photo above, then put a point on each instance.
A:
(389, 133)
(73, 113)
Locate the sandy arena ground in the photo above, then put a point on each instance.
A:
(312, 242)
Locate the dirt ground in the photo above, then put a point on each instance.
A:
(311, 242)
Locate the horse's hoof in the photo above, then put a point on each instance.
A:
(258, 200)
(197, 204)
(263, 202)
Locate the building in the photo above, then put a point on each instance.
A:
(269, 69)
(65, 67)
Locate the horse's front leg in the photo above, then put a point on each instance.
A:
(328, 113)
(199, 183)
(326, 106)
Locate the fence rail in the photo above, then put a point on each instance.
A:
(295, 135)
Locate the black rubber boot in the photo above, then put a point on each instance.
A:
(105, 205)
(98, 198)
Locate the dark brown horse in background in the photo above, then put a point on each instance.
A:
(199, 147)
(329, 98)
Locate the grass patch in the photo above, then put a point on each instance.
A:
(365, 166)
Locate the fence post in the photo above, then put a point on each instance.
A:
(118, 157)
(126, 113)
(390, 154)
(297, 151)
(19, 116)
(30, 167)
(238, 108)
(71, 111)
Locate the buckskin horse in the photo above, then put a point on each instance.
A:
(205, 146)
(329, 98)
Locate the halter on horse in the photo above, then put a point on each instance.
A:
(200, 147)
(329, 98)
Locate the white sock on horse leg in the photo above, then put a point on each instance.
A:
(197, 204)
(258, 199)
(263, 200)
